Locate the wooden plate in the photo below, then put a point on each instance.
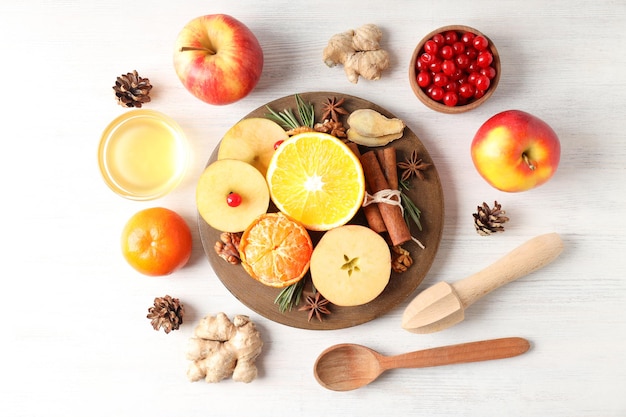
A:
(427, 195)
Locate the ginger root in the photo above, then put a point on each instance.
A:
(220, 348)
(370, 128)
(359, 52)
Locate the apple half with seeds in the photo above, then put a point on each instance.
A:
(252, 140)
(230, 194)
(351, 265)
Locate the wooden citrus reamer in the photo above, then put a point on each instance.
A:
(443, 305)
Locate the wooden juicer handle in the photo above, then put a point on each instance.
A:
(521, 261)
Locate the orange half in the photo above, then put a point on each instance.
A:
(316, 179)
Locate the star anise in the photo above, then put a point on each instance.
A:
(332, 109)
(413, 166)
(316, 306)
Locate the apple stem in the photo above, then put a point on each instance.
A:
(531, 164)
(193, 48)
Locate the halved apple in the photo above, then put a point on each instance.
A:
(230, 194)
(252, 140)
(351, 265)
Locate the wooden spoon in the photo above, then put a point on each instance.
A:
(443, 305)
(347, 366)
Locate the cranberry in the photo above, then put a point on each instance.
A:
(431, 47)
(490, 72)
(435, 66)
(468, 38)
(450, 98)
(473, 67)
(484, 59)
(278, 143)
(451, 86)
(473, 77)
(466, 90)
(427, 58)
(458, 47)
(462, 61)
(446, 52)
(448, 67)
(439, 39)
(471, 53)
(440, 79)
(482, 83)
(423, 79)
(436, 93)
(480, 43)
(233, 199)
(450, 37)
(457, 74)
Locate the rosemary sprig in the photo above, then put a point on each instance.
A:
(288, 120)
(289, 297)
(285, 118)
(306, 112)
(411, 212)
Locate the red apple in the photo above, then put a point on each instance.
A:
(515, 151)
(218, 59)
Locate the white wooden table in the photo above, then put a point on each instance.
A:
(79, 343)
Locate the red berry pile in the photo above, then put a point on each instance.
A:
(455, 68)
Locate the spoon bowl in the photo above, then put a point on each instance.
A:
(335, 370)
(347, 366)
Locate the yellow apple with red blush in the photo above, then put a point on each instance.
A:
(516, 151)
(218, 59)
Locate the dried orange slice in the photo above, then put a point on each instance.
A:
(275, 250)
(317, 180)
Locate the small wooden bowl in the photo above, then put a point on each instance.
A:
(439, 106)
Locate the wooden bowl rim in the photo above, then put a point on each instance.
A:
(440, 107)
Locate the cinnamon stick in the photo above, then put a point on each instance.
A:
(372, 213)
(388, 163)
(399, 232)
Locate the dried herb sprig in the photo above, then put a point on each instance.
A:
(411, 211)
(289, 297)
(287, 118)
(306, 112)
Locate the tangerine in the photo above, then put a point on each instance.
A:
(275, 250)
(156, 241)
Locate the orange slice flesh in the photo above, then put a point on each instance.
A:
(276, 250)
(317, 180)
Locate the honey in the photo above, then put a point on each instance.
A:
(143, 155)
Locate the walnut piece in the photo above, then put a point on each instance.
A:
(400, 259)
(228, 247)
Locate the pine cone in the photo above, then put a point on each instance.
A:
(167, 313)
(488, 221)
(131, 90)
